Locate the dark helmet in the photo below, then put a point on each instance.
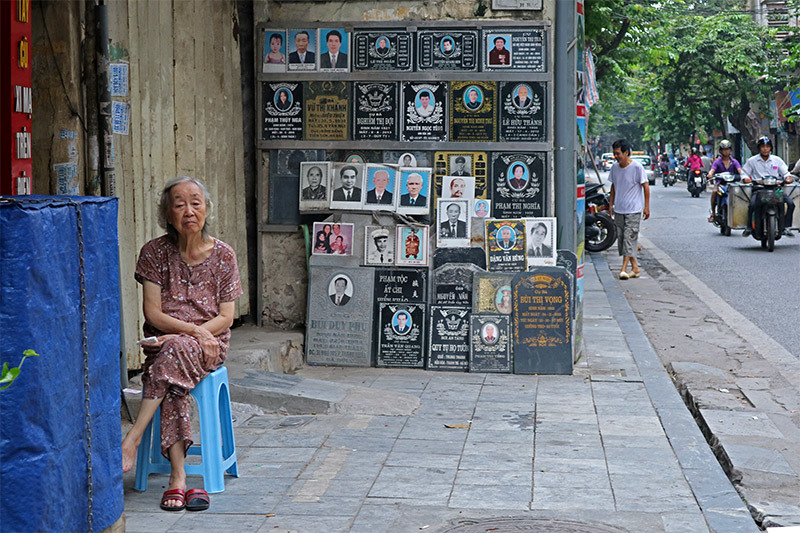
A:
(764, 140)
(725, 144)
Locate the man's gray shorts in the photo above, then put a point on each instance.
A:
(627, 233)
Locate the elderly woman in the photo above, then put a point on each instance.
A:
(190, 281)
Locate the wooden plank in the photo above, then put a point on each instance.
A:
(183, 88)
(167, 90)
(154, 116)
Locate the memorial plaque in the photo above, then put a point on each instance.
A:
(518, 184)
(347, 192)
(414, 191)
(452, 284)
(449, 338)
(284, 183)
(522, 111)
(490, 340)
(505, 245)
(401, 335)
(542, 322)
(302, 50)
(333, 50)
(383, 50)
(315, 179)
(327, 110)
(568, 260)
(452, 226)
(339, 329)
(448, 50)
(514, 49)
(283, 111)
(443, 256)
(379, 245)
(401, 285)
(424, 111)
(491, 293)
(407, 159)
(541, 241)
(473, 110)
(375, 108)
(461, 164)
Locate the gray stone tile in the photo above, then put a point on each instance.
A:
(423, 476)
(570, 452)
(493, 462)
(364, 443)
(283, 523)
(258, 485)
(150, 522)
(761, 459)
(271, 469)
(511, 453)
(519, 436)
(491, 497)
(274, 439)
(597, 479)
(494, 477)
(276, 455)
(321, 507)
(432, 493)
(557, 464)
(208, 521)
(547, 439)
(659, 443)
(683, 522)
(571, 499)
(435, 447)
(424, 461)
(642, 426)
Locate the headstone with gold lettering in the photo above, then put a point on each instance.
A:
(542, 322)
(473, 110)
(327, 105)
(448, 49)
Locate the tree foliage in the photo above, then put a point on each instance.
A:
(685, 66)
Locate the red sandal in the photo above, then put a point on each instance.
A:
(197, 500)
(173, 494)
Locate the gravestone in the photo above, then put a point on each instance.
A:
(452, 284)
(490, 341)
(491, 293)
(476, 256)
(542, 322)
(448, 346)
(568, 260)
(339, 330)
(397, 291)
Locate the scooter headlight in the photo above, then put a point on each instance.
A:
(770, 181)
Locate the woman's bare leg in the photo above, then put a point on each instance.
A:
(130, 444)
(177, 476)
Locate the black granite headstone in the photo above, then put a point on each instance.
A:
(339, 328)
(452, 284)
(448, 347)
(476, 256)
(473, 110)
(542, 322)
(505, 245)
(284, 183)
(518, 184)
(568, 260)
(375, 111)
(490, 339)
(383, 50)
(522, 111)
(448, 50)
(526, 49)
(401, 335)
(282, 111)
(424, 111)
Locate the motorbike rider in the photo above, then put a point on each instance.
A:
(694, 162)
(762, 165)
(664, 163)
(724, 163)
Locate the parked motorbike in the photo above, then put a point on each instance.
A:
(696, 183)
(768, 226)
(600, 231)
(722, 180)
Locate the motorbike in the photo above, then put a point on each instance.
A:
(667, 177)
(768, 226)
(681, 171)
(600, 231)
(722, 180)
(696, 183)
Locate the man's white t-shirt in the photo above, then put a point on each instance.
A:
(628, 190)
(757, 168)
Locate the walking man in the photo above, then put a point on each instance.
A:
(630, 202)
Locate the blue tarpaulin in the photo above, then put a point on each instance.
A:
(44, 457)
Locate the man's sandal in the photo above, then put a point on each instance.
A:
(173, 494)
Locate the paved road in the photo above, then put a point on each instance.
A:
(762, 286)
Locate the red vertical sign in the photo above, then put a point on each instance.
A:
(16, 105)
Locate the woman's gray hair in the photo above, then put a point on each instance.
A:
(163, 206)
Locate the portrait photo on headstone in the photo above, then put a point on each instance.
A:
(302, 46)
(383, 50)
(282, 108)
(314, 181)
(332, 238)
(460, 165)
(505, 245)
(522, 111)
(412, 243)
(379, 245)
(334, 49)
(491, 292)
(424, 111)
(340, 290)
(414, 190)
(381, 181)
(458, 187)
(451, 49)
(542, 239)
(499, 48)
(347, 191)
(481, 208)
(452, 228)
(514, 49)
(274, 51)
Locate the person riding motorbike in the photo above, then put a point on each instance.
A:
(762, 165)
(724, 163)
(664, 163)
(694, 162)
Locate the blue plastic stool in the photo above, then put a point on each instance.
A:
(216, 447)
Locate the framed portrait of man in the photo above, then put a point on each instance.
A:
(334, 47)
(498, 48)
(541, 241)
(302, 46)
(314, 185)
(379, 245)
(458, 187)
(452, 225)
(415, 183)
(347, 190)
(381, 181)
(340, 290)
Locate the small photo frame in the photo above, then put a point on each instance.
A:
(302, 47)
(334, 46)
(502, 300)
(347, 192)
(340, 289)
(498, 48)
(481, 208)
(458, 187)
(414, 190)
(522, 95)
(332, 238)
(452, 223)
(274, 54)
(314, 181)
(447, 45)
(402, 322)
(517, 175)
(380, 182)
(379, 245)
(460, 165)
(411, 245)
(473, 98)
(541, 241)
(407, 159)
